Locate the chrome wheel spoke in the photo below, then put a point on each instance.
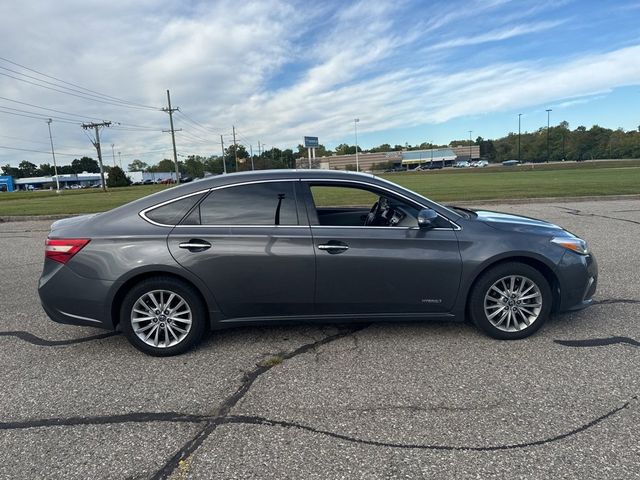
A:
(144, 329)
(490, 316)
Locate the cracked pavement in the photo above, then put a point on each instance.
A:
(380, 400)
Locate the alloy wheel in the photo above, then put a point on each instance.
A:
(161, 318)
(513, 303)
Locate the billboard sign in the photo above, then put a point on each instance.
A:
(311, 142)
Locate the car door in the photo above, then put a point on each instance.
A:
(249, 244)
(373, 270)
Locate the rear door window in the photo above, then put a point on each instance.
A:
(268, 203)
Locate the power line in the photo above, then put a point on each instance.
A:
(198, 124)
(73, 84)
(41, 151)
(95, 99)
(36, 116)
(48, 109)
(36, 113)
(28, 140)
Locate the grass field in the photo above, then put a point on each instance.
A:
(448, 185)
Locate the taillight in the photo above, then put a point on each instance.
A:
(63, 249)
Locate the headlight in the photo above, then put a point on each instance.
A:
(572, 243)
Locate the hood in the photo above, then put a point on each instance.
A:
(506, 221)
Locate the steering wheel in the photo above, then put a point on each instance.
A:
(372, 215)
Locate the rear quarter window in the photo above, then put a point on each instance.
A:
(172, 213)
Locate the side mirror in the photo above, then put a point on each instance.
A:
(427, 218)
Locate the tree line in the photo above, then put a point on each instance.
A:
(564, 144)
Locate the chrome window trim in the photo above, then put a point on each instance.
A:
(143, 213)
(455, 225)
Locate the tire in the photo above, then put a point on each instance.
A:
(521, 309)
(169, 331)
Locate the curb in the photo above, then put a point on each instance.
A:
(495, 201)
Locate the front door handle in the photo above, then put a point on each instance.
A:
(334, 247)
(195, 245)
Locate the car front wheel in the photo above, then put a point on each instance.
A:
(510, 301)
(163, 316)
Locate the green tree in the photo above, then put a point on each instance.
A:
(45, 170)
(164, 165)
(137, 166)
(27, 169)
(117, 178)
(11, 171)
(385, 147)
(85, 164)
(194, 166)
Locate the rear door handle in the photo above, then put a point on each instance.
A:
(195, 245)
(334, 247)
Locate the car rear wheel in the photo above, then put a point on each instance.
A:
(163, 316)
(510, 301)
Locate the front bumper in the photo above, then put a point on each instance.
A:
(578, 277)
(69, 298)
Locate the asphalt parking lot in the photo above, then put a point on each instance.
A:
(427, 400)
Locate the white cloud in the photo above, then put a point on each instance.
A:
(278, 70)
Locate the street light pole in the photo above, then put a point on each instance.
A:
(548, 125)
(113, 154)
(55, 167)
(355, 126)
(519, 133)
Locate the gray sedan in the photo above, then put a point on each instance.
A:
(278, 246)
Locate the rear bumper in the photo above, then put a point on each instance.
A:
(69, 298)
(578, 276)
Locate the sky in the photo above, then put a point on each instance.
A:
(410, 71)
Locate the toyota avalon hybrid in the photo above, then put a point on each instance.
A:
(291, 245)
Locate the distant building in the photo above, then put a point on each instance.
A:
(150, 177)
(6, 183)
(72, 180)
(407, 159)
(440, 156)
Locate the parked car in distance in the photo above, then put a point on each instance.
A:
(461, 164)
(479, 164)
(285, 246)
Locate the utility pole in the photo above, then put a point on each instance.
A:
(519, 115)
(96, 127)
(224, 160)
(355, 126)
(235, 146)
(113, 154)
(55, 167)
(548, 115)
(120, 161)
(170, 111)
(251, 153)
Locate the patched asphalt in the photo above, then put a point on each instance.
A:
(408, 400)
